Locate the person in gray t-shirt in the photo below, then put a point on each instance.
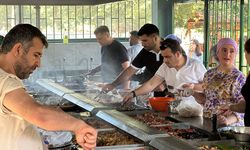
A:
(133, 50)
(135, 45)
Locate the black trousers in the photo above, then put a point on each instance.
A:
(247, 120)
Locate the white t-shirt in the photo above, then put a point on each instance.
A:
(15, 132)
(192, 72)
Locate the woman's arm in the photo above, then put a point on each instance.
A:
(239, 107)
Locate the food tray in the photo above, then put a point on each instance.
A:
(150, 118)
(220, 145)
(130, 125)
(169, 125)
(115, 137)
(97, 123)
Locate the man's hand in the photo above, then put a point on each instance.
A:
(188, 86)
(127, 98)
(107, 87)
(222, 120)
(86, 137)
(224, 110)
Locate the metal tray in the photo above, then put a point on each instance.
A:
(116, 137)
(227, 144)
(170, 143)
(130, 125)
(241, 134)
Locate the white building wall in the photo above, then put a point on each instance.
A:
(72, 57)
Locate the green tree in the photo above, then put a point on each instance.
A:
(185, 11)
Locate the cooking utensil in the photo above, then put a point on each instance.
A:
(99, 95)
(180, 125)
(67, 106)
(215, 136)
(85, 76)
(124, 103)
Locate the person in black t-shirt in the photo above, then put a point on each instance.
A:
(114, 57)
(148, 57)
(243, 106)
(245, 89)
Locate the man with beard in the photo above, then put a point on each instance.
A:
(149, 57)
(133, 50)
(135, 45)
(20, 55)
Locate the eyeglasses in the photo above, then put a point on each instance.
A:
(163, 46)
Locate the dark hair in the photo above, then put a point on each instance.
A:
(247, 46)
(148, 29)
(1, 39)
(173, 45)
(101, 29)
(24, 34)
(197, 47)
(134, 33)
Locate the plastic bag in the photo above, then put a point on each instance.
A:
(55, 138)
(188, 107)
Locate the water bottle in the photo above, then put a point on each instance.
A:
(65, 37)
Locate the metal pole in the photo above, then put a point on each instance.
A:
(206, 35)
(241, 41)
(37, 7)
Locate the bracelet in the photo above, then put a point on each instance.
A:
(133, 92)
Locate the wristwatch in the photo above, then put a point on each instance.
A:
(133, 92)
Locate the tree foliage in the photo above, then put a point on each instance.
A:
(185, 11)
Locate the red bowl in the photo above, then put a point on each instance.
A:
(160, 103)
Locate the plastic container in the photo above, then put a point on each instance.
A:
(160, 103)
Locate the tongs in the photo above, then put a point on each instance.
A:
(99, 95)
(85, 76)
(215, 136)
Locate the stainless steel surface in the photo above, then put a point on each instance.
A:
(245, 130)
(199, 122)
(84, 102)
(123, 147)
(200, 143)
(225, 144)
(126, 123)
(170, 143)
(54, 87)
(130, 125)
(241, 134)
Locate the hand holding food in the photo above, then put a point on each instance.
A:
(128, 97)
(188, 86)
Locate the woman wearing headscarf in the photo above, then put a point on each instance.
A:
(244, 106)
(222, 85)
